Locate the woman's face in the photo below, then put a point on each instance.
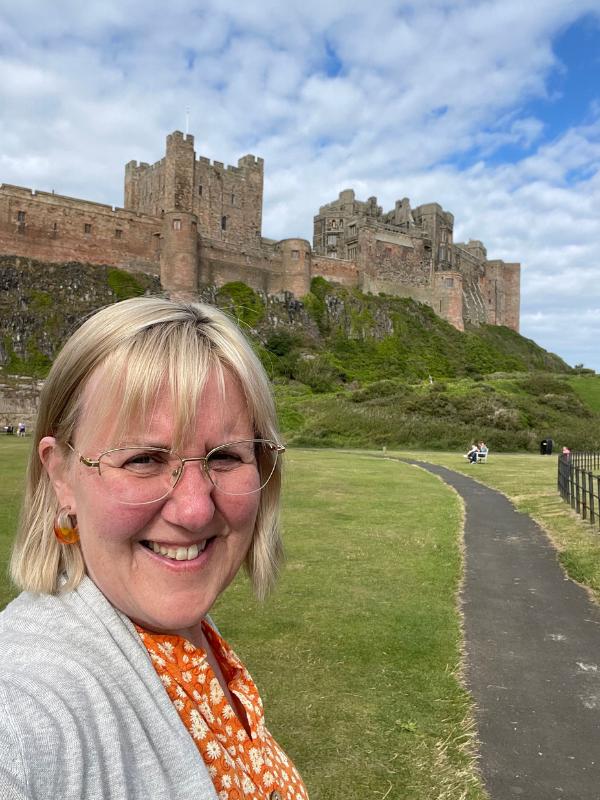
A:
(156, 591)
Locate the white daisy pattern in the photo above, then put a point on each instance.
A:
(243, 760)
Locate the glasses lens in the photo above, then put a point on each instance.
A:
(245, 467)
(136, 475)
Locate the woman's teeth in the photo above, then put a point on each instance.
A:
(178, 553)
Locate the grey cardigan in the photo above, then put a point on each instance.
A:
(83, 714)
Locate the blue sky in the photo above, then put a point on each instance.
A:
(489, 107)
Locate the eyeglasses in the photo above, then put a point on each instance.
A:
(139, 474)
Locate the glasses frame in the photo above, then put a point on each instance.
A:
(95, 464)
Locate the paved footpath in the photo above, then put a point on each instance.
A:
(533, 654)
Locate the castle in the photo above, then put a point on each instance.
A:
(192, 222)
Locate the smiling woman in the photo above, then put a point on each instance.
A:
(156, 476)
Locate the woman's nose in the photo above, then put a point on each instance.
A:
(190, 503)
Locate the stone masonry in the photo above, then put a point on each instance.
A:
(193, 222)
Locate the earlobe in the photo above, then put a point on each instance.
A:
(55, 463)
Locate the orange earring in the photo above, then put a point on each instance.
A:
(65, 526)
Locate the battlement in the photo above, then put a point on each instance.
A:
(246, 162)
(177, 138)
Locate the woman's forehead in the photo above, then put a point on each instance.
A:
(217, 409)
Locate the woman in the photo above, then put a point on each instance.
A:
(156, 476)
(472, 453)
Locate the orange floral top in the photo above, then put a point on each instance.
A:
(242, 766)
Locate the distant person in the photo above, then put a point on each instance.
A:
(482, 450)
(566, 452)
(471, 455)
(155, 475)
(21, 429)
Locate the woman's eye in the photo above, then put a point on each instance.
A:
(141, 459)
(224, 460)
(144, 462)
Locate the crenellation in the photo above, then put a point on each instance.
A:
(195, 222)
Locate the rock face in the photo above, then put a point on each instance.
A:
(331, 335)
(41, 304)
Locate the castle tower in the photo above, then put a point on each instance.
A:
(439, 226)
(179, 252)
(180, 161)
(296, 258)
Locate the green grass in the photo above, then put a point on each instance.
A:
(530, 482)
(588, 389)
(123, 284)
(356, 654)
(14, 451)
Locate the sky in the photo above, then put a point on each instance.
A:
(489, 107)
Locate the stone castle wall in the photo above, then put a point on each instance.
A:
(195, 222)
(54, 228)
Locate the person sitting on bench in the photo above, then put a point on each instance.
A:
(472, 454)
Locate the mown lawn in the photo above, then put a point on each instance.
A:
(13, 456)
(357, 652)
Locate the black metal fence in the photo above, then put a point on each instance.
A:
(579, 483)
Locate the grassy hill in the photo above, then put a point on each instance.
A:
(349, 369)
(363, 338)
(509, 412)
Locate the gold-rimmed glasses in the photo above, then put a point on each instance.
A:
(140, 474)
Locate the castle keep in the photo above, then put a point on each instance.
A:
(193, 222)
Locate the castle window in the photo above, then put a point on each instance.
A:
(87, 228)
(295, 254)
(21, 216)
(118, 233)
(352, 252)
(334, 223)
(449, 283)
(176, 224)
(223, 223)
(332, 241)
(55, 228)
(232, 199)
(352, 230)
(200, 191)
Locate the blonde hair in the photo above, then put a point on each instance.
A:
(142, 345)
